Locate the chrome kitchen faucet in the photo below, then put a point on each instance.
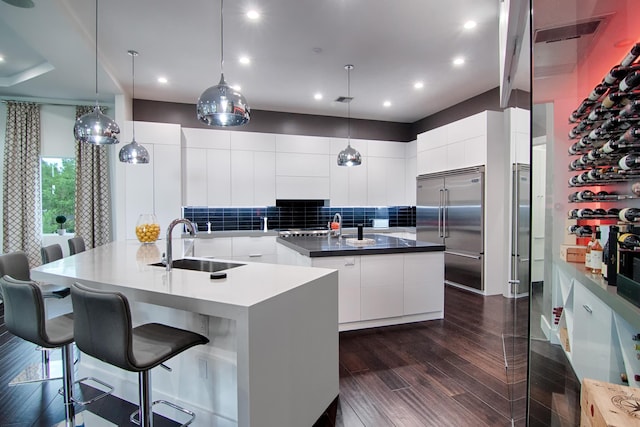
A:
(192, 230)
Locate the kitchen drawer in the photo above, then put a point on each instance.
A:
(254, 246)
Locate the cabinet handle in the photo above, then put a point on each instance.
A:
(255, 255)
(586, 307)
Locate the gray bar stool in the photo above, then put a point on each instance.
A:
(51, 253)
(25, 318)
(103, 329)
(76, 245)
(16, 265)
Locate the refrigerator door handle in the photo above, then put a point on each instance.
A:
(440, 215)
(463, 255)
(445, 205)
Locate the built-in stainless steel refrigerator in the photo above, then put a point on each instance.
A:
(450, 210)
(520, 233)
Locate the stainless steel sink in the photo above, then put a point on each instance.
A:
(201, 265)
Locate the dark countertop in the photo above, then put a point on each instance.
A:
(324, 247)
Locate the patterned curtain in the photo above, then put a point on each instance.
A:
(22, 210)
(93, 195)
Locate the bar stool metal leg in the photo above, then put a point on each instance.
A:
(67, 384)
(146, 413)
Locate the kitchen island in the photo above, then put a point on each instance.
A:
(384, 280)
(273, 355)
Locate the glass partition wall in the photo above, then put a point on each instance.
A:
(586, 96)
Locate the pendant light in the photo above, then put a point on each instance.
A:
(94, 127)
(221, 105)
(133, 152)
(349, 156)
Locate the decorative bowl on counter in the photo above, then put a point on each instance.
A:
(147, 228)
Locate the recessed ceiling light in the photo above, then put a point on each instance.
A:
(253, 15)
(418, 85)
(162, 80)
(245, 60)
(470, 24)
(387, 103)
(317, 96)
(458, 61)
(1, 58)
(236, 87)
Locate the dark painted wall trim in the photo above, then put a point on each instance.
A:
(489, 100)
(312, 125)
(278, 123)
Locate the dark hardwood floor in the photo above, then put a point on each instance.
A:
(447, 372)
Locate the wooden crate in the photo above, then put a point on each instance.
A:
(609, 405)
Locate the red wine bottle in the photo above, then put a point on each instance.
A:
(632, 109)
(631, 57)
(619, 98)
(585, 213)
(617, 73)
(630, 82)
(582, 111)
(631, 135)
(629, 215)
(630, 161)
(628, 241)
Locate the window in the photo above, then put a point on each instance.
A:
(58, 193)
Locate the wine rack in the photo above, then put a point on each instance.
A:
(605, 145)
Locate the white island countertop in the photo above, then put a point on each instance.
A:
(285, 321)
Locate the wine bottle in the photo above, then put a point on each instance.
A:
(599, 212)
(575, 149)
(596, 254)
(611, 259)
(601, 195)
(628, 241)
(584, 213)
(613, 212)
(630, 161)
(629, 215)
(582, 111)
(631, 135)
(600, 113)
(630, 82)
(587, 254)
(584, 195)
(580, 230)
(631, 57)
(573, 213)
(583, 178)
(580, 129)
(619, 98)
(632, 109)
(601, 89)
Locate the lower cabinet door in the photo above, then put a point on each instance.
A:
(423, 282)
(381, 286)
(348, 285)
(591, 347)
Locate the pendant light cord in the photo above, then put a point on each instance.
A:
(222, 37)
(349, 68)
(133, 54)
(96, 53)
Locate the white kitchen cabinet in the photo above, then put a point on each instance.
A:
(152, 188)
(195, 177)
(381, 286)
(255, 249)
(385, 181)
(456, 145)
(242, 178)
(348, 184)
(216, 247)
(423, 284)
(348, 284)
(264, 178)
(218, 177)
(591, 345)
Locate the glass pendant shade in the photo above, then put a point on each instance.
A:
(221, 105)
(96, 128)
(349, 157)
(134, 153)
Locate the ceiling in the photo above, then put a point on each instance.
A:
(297, 48)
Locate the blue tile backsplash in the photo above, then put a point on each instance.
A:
(295, 215)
